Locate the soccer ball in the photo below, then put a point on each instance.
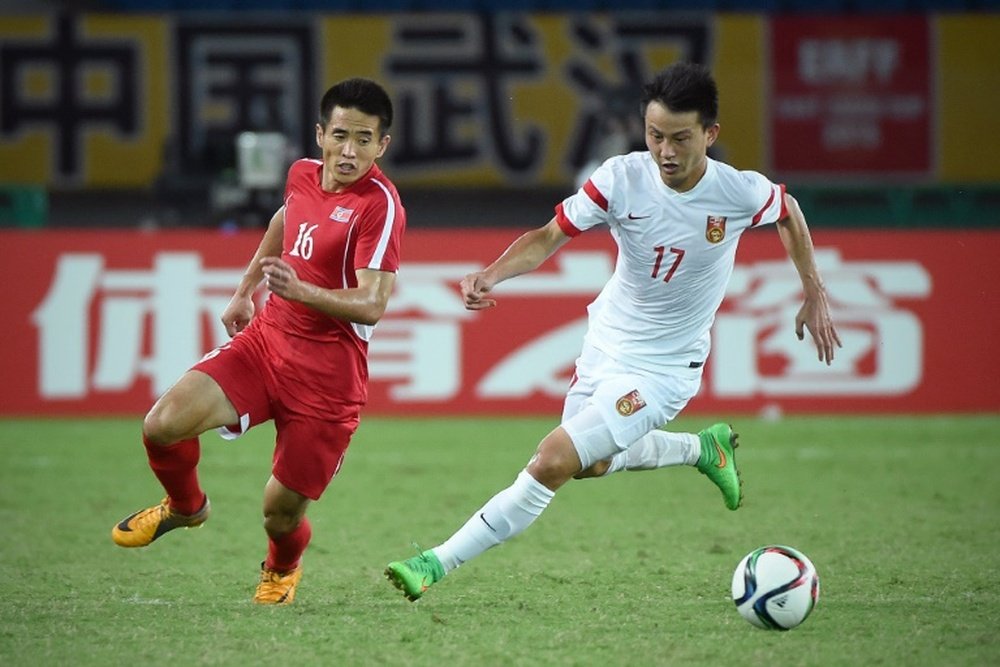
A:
(775, 587)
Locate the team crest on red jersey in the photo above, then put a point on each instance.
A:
(715, 228)
(341, 214)
(630, 403)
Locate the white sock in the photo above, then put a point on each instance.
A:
(658, 449)
(505, 515)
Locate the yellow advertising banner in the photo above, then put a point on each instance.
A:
(488, 99)
(968, 94)
(515, 99)
(85, 100)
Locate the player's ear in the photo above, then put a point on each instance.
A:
(319, 135)
(713, 134)
(383, 144)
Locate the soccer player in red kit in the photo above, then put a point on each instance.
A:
(329, 258)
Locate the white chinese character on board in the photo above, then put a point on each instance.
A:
(540, 365)
(882, 343)
(162, 310)
(418, 345)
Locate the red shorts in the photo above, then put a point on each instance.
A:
(310, 444)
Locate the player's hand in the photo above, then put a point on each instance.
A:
(815, 316)
(237, 314)
(474, 288)
(281, 279)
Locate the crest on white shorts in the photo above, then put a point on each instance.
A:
(630, 403)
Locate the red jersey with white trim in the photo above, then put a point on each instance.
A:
(676, 252)
(327, 236)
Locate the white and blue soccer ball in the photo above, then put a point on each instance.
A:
(775, 587)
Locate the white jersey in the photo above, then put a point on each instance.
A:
(675, 254)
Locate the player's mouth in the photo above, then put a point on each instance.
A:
(346, 168)
(670, 168)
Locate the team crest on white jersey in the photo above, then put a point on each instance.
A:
(630, 403)
(341, 214)
(715, 228)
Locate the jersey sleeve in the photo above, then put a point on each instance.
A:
(766, 199)
(590, 205)
(380, 231)
(295, 172)
(289, 182)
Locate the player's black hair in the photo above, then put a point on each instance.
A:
(684, 87)
(364, 95)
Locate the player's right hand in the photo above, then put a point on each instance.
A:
(237, 314)
(474, 288)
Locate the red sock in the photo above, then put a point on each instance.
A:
(176, 466)
(285, 552)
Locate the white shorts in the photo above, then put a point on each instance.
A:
(609, 406)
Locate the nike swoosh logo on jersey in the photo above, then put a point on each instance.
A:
(637, 217)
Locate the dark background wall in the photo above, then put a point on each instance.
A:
(111, 113)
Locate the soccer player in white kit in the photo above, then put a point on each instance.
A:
(676, 216)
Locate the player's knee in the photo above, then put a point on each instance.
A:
(278, 523)
(178, 415)
(157, 426)
(555, 462)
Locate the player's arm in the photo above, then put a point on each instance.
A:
(364, 304)
(524, 255)
(240, 310)
(815, 311)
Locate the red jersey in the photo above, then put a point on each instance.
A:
(327, 236)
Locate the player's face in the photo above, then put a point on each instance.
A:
(351, 143)
(678, 144)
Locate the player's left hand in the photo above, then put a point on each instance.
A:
(815, 316)
(281, 279)
(474, 289)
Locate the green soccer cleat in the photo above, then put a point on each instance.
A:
(718, 462)
(415, 575)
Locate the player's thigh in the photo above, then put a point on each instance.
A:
(623, 408)
(309, 451)
(193, 405)
(241, 368)
(590, 435)
(576, 398)
(589, 366)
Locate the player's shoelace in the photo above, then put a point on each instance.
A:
(150, 517)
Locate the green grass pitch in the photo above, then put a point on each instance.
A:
(901, 516)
